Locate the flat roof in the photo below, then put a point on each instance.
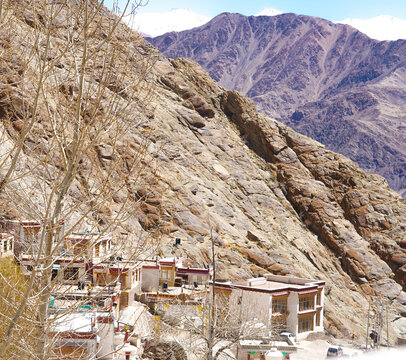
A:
(117, 264)
(177, 290)
(72, 291)
(189, 270)
(274, 284)
(170, 260)
(79, 236)
(74, 322)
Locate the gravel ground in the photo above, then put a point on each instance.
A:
(317, 350)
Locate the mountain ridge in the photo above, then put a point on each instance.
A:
(380, 27)
(311, 74)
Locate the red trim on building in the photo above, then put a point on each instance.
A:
(310, 289)
(171, 263)
(30, 224)
(193, 271)
(58, 261)
(115, 268)
(105, 320)
(307, 291)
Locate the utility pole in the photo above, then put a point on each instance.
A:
(212, 304)
(380, 322)
(387, 327)
(377, 323)
(366, 337)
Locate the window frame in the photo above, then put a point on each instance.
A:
(306, 302)
(307, 320)
(318, 298)
(280, 305)
(165, 274)
(318, 317)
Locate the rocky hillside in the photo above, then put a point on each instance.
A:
(272, 200)
(325, 80)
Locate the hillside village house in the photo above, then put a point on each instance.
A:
(83, 335)
(127, 273)
(29, 236)
(16, 228)
(282, 303)
(85, 261)
(90, 258)
(170, 272)
(6, 244)
(75, 256)
(168, 280)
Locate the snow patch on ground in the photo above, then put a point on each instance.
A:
(269, 12)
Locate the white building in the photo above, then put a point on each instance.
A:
(284, 303)
(6, 244)
(82, 335)
(171, 272)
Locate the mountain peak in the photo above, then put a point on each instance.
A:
(326, 80)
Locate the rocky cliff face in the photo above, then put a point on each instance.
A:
(325, 80)
(273, 200)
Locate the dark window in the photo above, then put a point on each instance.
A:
(306, 303)
(71, 273)
(54, 274)
(280, 305)
(318, 298)
(306, 323)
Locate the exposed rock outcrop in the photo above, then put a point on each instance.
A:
(325, 80)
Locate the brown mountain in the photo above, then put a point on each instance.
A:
(273, 200)
(325, 80)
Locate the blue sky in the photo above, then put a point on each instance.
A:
(331, 10)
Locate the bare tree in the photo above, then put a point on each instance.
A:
(83, 94)
(231, 322)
